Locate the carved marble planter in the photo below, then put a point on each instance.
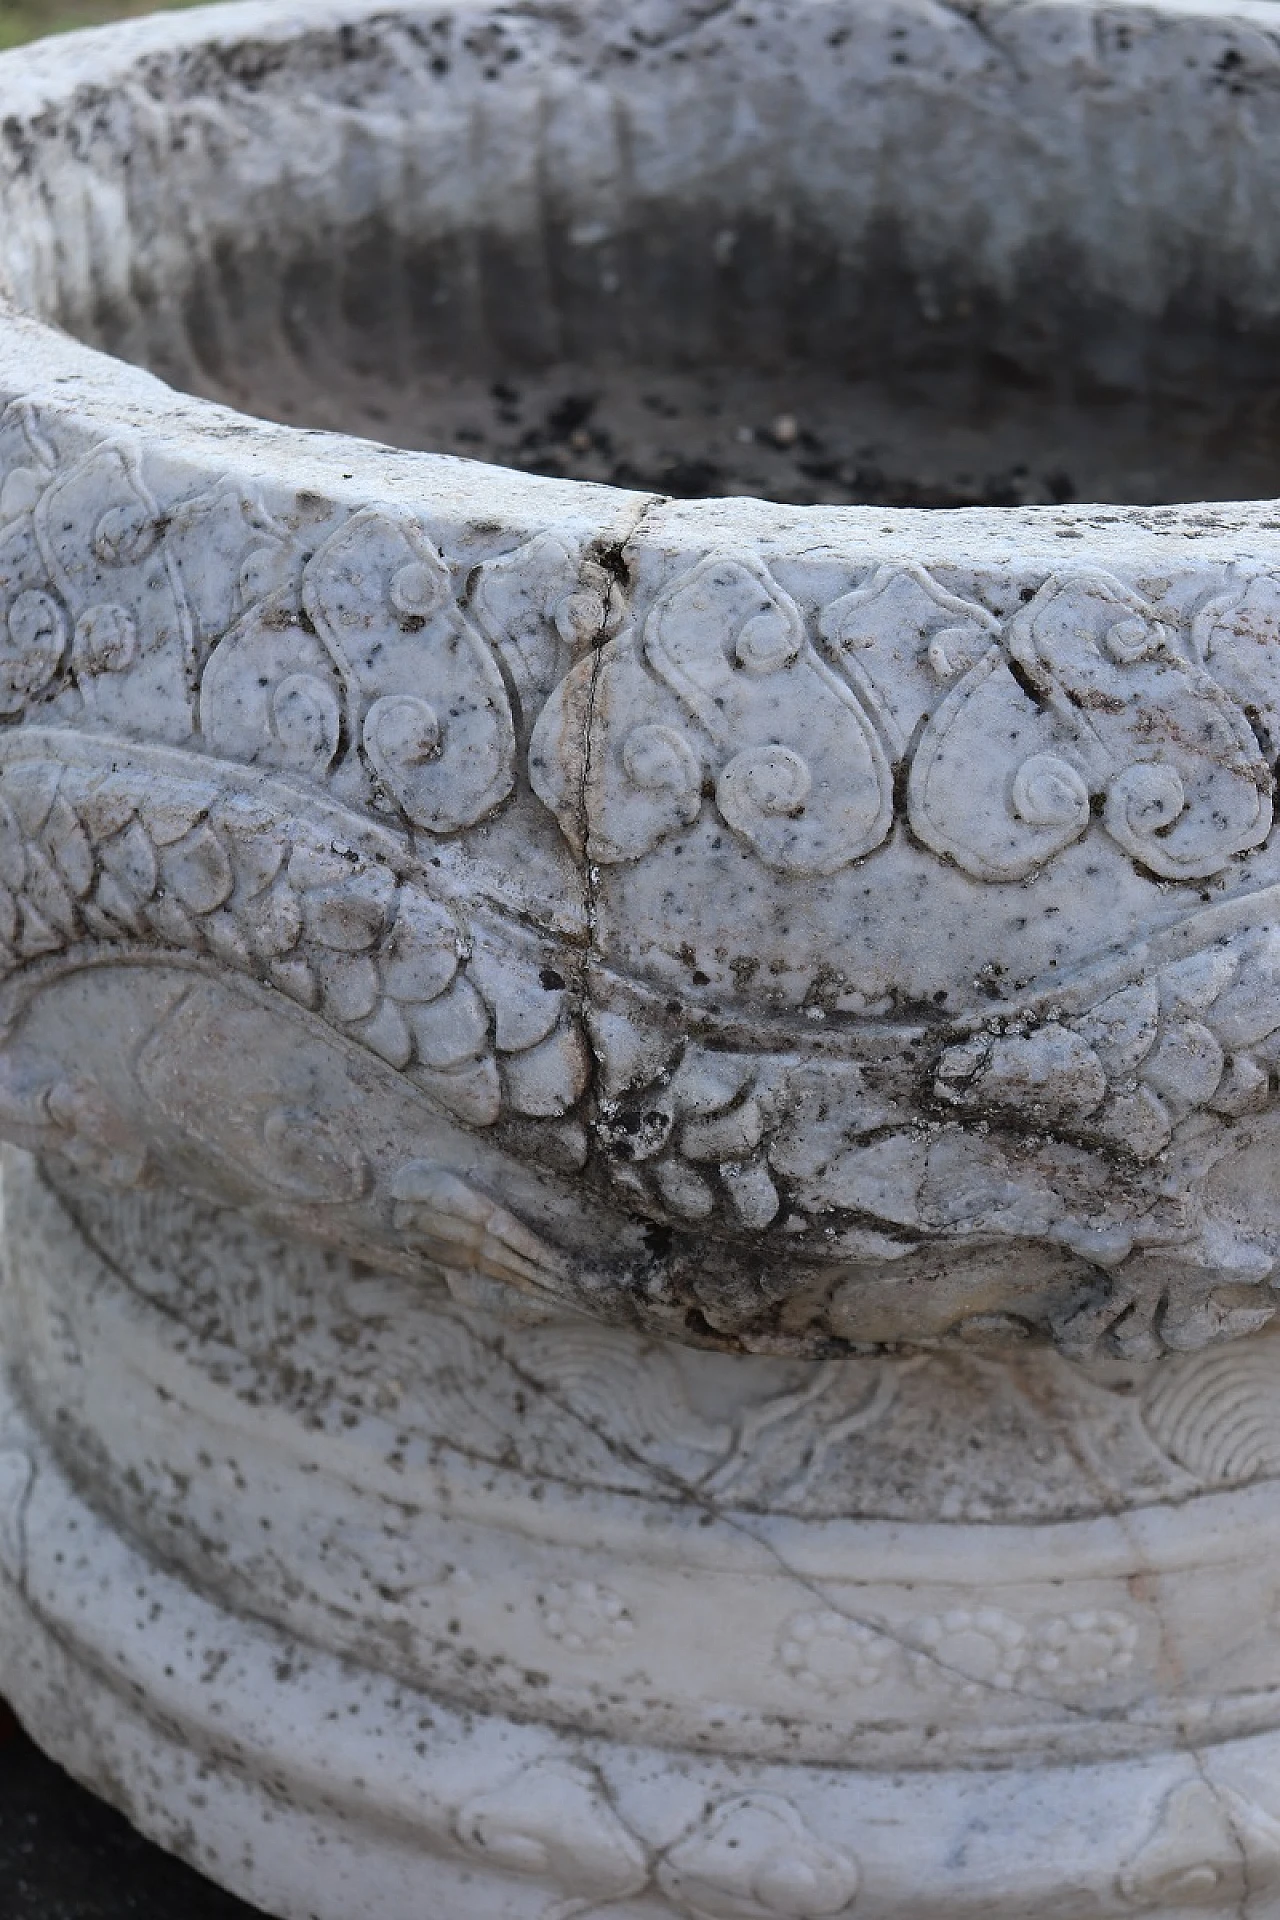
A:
(653, 1122)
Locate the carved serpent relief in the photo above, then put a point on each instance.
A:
(335, 716)
(471, 1012)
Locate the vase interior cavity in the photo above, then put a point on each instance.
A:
(834, 254)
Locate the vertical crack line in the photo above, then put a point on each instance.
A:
(590, 874)
(608, 546)
(616, 545)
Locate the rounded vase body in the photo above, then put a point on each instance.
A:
(642, 1214)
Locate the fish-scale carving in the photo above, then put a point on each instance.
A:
(1195, 1035)
(159, 855)
(770, 721)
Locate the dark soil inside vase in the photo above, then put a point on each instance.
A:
(933, 439)
(935, 274)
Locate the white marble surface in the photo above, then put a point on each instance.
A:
(359, 1598)
(463, 935)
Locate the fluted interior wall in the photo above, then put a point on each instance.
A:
(869, 185)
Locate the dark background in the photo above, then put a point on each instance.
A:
(65, 1856)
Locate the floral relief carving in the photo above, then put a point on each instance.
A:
(717, 693)
(901, 638)
(373, 650)
(540, 608)
(434, 718)
(232, 555)
(828, 1651)
(35, 640)
(1086, 1649)
(752, 1857)
(1083, 705)
(1236, 636)
(119, 609)
(27, 463)
(132, 646)
(1092, 701)
(271, 695)
(722, 688)
(35, 627)
(966, 1652)
(585, 1617)
(971, 1651)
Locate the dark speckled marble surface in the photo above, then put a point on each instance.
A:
(66, 1856)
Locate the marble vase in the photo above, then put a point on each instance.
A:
(641, 1215)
